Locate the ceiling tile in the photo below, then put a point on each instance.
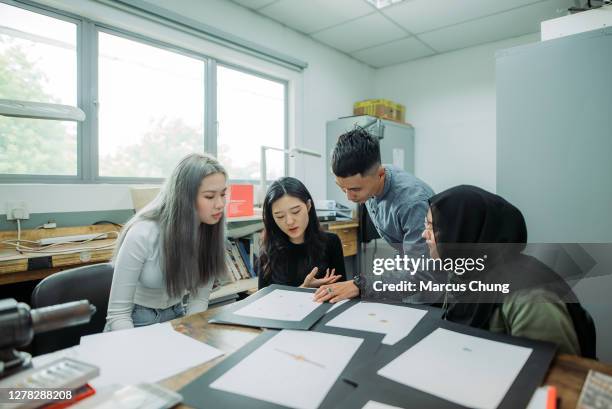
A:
(361, 33)
(309, 16)
(254, 4)
(393, 53)
(418, 16)
(512, 23)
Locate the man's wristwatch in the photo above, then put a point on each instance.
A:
(357, 280)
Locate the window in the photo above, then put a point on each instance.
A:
(38, 62)
(147, 104)
(251, 113)
(151, 108)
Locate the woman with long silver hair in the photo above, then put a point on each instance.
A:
(171, 249)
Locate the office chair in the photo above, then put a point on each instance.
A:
(91, 283)
(585, 329)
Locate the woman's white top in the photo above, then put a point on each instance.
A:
(138, 279)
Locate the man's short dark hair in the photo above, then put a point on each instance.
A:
(356, 152)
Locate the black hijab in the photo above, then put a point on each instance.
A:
(464, 215)
(469, 222)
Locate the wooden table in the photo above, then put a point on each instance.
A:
(567, 372)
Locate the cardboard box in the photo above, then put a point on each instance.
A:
(381, 108)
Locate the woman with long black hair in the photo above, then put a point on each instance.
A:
(295, 250)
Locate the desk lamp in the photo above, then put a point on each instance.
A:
(262, 165)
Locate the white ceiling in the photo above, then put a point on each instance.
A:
(410, 29)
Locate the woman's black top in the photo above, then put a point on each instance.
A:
(296, 268)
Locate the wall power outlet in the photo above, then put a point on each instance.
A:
(17, 210)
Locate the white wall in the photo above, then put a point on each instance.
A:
(450, 100)
(326, 90)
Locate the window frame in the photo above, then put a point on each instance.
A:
(88, 91)
(95, 157)
(70, 18)
(285, 84)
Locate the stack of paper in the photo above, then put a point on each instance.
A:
(393, 320)
(140, 355)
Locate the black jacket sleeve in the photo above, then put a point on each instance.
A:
(334, 255)
(261, 281)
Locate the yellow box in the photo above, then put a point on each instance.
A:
(381, 108)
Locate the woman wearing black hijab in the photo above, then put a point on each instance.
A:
(469, 222)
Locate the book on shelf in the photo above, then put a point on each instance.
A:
(238, 260)
(242, 249)
(232, 272)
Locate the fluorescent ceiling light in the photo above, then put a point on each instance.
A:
(381, 4)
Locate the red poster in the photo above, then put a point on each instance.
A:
(240, 201)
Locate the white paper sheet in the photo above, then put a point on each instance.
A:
(281, 305)
(372, 404)
(392, 320)
(336, 305)
(464, 369)
(145, 354)
(294, 368)
(539, 400)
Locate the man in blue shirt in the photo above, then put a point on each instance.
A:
(397, 202)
